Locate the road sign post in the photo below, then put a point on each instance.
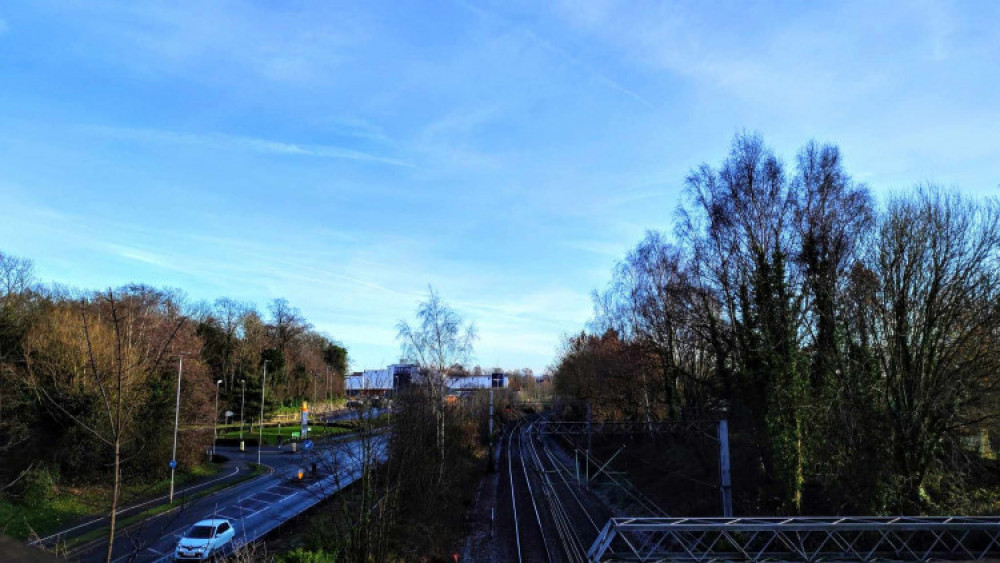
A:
(305, 419)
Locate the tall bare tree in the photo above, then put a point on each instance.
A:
(440, 342)
(228, 313)
(935, 320)
(16, 311)
(118, 346)
(286, 322)
(739, 228)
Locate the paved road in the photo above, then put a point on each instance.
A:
(255, 507)
(230, 470)
(352, 414)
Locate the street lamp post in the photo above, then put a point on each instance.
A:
(177, 410)
(260, 423)
(215, 418)
(243, 400)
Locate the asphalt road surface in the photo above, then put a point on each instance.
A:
(254, 507)
(352, 414)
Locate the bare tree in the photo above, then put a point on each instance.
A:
(833, 217)
(650, 300)
(228, 313)
(935, 321)
(121, 345)
(286, 322)
(738, 230)
(16, 275)
(440, 342)
(16, 282)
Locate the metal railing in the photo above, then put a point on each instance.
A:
(804, 538)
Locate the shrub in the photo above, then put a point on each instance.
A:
(299, 555)
(37, 486)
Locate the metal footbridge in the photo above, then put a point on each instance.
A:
(803, 538)
(806, 538)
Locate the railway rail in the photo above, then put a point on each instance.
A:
(558, 517)
(554, 517)
(529, 529)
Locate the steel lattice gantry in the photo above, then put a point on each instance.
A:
(715, 430)
(798, 539)
(575, 428)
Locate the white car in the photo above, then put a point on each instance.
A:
(204, 539)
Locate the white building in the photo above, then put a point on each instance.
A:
(379, 381)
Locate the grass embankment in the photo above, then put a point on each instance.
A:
(165, 507)
(271, 433)
(321, 406)
(70, 504)
(273, 430)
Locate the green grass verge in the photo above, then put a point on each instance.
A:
(70, 504)
(271, 433)
(123, 523)
(320, 406)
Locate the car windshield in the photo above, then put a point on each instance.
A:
(200, 532)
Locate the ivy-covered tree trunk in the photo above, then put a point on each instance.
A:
(785, 386)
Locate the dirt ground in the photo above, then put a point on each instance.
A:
(483, 543)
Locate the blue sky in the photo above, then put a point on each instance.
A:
(346, 155)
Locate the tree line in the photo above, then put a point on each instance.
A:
(852, 344)
(87, 377)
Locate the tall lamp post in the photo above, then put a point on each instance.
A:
(243, 401)
(215, 418)
(260, 423)
(177, 410)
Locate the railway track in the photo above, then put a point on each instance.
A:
(554, 519)
(529, 528)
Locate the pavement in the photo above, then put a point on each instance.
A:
(254, 507)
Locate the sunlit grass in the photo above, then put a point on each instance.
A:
(71, 504)
(271, 433)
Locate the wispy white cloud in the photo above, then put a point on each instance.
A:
(265, 146)
(278, 45)
(357, 128)
(602, 248)
(448, 140)
(346, 155)
(141, 255)
(791, 64)
(940, 25)
(552, 48)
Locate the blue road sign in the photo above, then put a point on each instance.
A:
(308, 444)
(173, 464)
